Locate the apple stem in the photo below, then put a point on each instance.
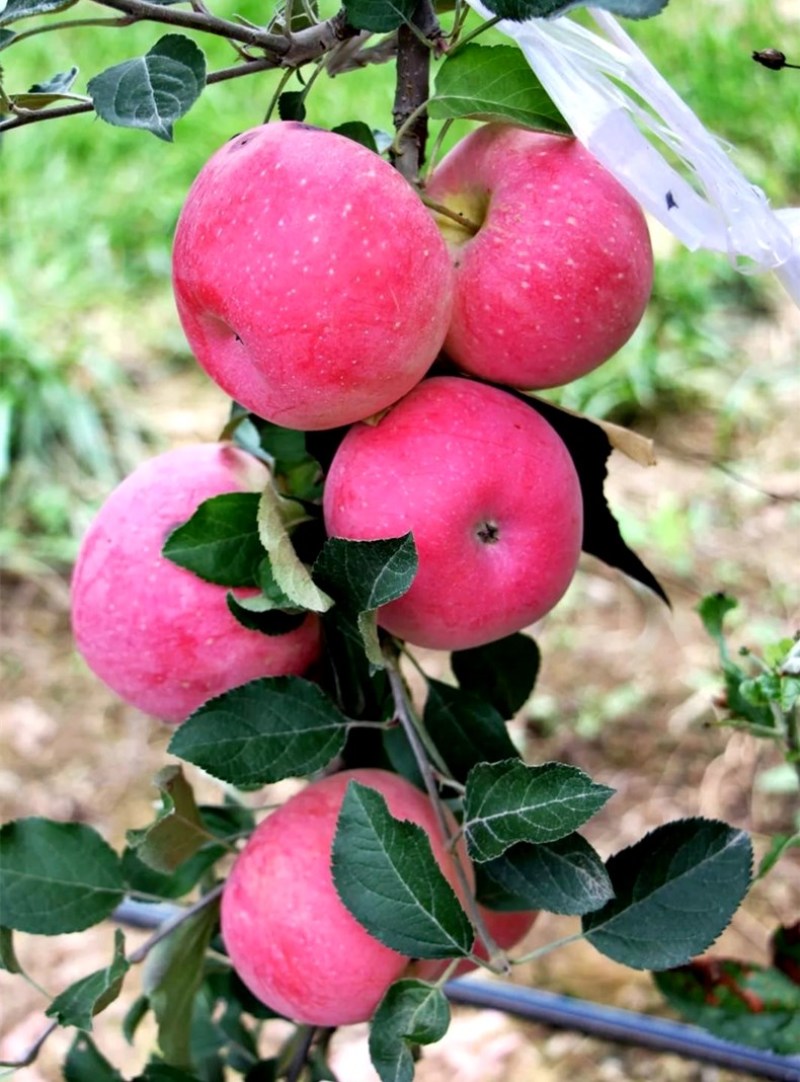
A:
(456, 216)
(412, 727)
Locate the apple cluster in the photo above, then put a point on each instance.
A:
(318, 290)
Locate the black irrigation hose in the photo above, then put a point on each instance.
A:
(563, 1012)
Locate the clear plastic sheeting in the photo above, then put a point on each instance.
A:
(632, 120)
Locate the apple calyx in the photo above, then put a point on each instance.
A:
(488, 532)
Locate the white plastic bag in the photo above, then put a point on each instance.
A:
(708, 205)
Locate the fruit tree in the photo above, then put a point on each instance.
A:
(382, 310)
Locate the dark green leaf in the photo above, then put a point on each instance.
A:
(178, 832)
(58, 84)
(522, 10)
(162, 1072)
(745, 1004)
(566, 877)
(713, 609)
(387, 876)
(676, 891)
(509, 802)
(260, 614)
(23, 9)
(363, 575)
(133, 1016)
(173, 973)
(82, 1000)
(56, 877)
(411, 1013)
(220, 541)
(503, 672)
(590, 448)
(291, 105)
(465, 728)
(84, 1063)
(8, 957)
(153, 91)
(380, 16)
(7, 36)
(493, 82)
(359, 132)
(141, 877)
(360, 690)
(270, 729)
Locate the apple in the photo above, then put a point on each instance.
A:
(159, 636)
(507, 929)
(492, 498)
(288, 934)
(558, 275)
(311, 281)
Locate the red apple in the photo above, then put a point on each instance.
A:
(491, 495)
(558, 276)
(160, 637)
(288, 934)
(312, 283)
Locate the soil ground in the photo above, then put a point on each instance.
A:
(625, 692)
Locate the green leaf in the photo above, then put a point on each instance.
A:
(152, 91)
(522, 10)
(288, 571)
(363, 575)
(260, 614)
(134, 1016)
(745, 1004)
(270, 729)
(567, 876)
(676, 891)
(76, 1005)
(23, 9)
(6, 37)
(359, 132)
(509, 802)
(465, 728)
(172, 976)
(141, 877)
(84, 1063)
(380, 16)
(162, 1072)
(178, 831)
(493, 82)
(386, 874)
(779, 845)
(503, 672)
(291, 105)
(361, 690)
(58, 84)
(220, 542)
(411, 1013)
(8, 957)
(56, 877)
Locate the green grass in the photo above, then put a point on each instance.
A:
(87, 212)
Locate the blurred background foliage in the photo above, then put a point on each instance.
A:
(87, 211)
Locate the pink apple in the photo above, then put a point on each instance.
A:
(506, 929)
(159, 636)
(288, 934)
(492, 498)
(312, 283)
(558, 276)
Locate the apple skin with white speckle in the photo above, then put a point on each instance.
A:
(491, 495)
(288, 934)
(558, 275)
(160, 637)
(312, 283)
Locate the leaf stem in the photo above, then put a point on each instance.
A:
(455, 216)
(540, 952)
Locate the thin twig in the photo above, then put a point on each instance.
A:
(414, 42)
(410, 723)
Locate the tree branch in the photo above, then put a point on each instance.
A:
(414, 44)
